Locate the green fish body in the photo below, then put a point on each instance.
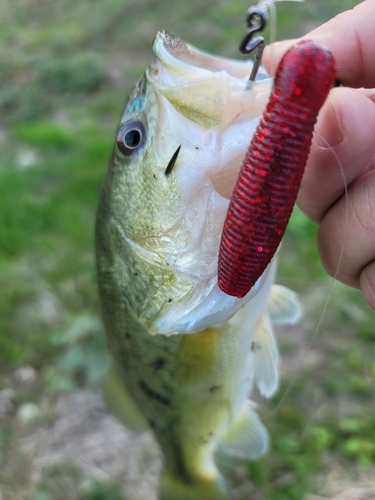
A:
(186, 355)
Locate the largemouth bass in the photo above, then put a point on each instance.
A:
(186, 355)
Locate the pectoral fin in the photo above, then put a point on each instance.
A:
(284, 305)
(121, 404)
(266, 357)
(247, 437)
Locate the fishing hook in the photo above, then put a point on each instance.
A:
(256, 21)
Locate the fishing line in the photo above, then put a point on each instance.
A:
(333, 280)
(270, 5)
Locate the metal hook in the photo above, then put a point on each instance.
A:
(256, 21)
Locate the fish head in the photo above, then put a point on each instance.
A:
(179, 146)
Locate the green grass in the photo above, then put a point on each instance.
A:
(65, 71)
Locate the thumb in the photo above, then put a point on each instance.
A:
(273, 54)
(350, 37)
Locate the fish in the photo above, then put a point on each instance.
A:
(186, 355)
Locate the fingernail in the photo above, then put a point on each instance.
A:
(328, 129)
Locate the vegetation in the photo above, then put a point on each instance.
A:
(66, 68)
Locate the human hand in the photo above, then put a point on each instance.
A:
(344, 135)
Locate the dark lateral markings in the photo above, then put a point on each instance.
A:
(214, 388)
(152, 394)
(157, 365)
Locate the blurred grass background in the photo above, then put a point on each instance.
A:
(66, 68)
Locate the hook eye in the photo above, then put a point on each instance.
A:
(130, 137)
(256, 21)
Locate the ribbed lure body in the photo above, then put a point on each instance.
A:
(270, 176)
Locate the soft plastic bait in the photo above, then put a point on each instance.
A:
(270, 176)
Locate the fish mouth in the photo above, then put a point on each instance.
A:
(207, 104)
(214, 93)
(179, 56)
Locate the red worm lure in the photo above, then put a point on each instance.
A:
(270, 176)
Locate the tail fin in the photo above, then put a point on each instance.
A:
(172, 488)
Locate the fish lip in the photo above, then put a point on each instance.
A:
(216, 308)
(176, 55)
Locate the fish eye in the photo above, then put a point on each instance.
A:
(130, 137)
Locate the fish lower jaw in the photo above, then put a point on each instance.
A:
(210, 312)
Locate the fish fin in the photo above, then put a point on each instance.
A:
(207, 488)
(121, 404)
(266, 357)
(246, 437)
(284, 305)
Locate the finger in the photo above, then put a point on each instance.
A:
(369, 93)
(350, 37)
(350, 227)
(273, 54)
(343, 146)
(367, 283)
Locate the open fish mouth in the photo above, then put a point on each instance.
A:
(208, 113)
(214, 93)
(182, 57)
